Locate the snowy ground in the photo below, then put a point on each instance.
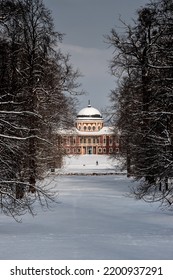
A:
(91, 164)
(94, 219)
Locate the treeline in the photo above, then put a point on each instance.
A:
(37, 89)
(143, 101)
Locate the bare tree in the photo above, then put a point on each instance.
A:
(144, 55)
(37, 96)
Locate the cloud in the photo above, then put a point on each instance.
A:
(93, 65)
(92, 62)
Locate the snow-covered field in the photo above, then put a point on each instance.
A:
(94, 219)
(89, 164)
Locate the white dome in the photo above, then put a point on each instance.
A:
(89, 113)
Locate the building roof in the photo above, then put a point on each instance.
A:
(89, 113)
(74, 131)
(103, 131)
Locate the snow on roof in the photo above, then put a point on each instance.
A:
(74, 131)
(89, 113)
(104, 130)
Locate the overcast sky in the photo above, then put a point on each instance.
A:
(85, 22)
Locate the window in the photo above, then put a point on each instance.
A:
(71, 141)
(78, 150)
(84, 140)
(89, 140)
(104, 151)
(94, 128)
(100, 150)
(110, 150)
(98, 140)
(94, 140)
(80, 139)
(89, 127)
(85, 128)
